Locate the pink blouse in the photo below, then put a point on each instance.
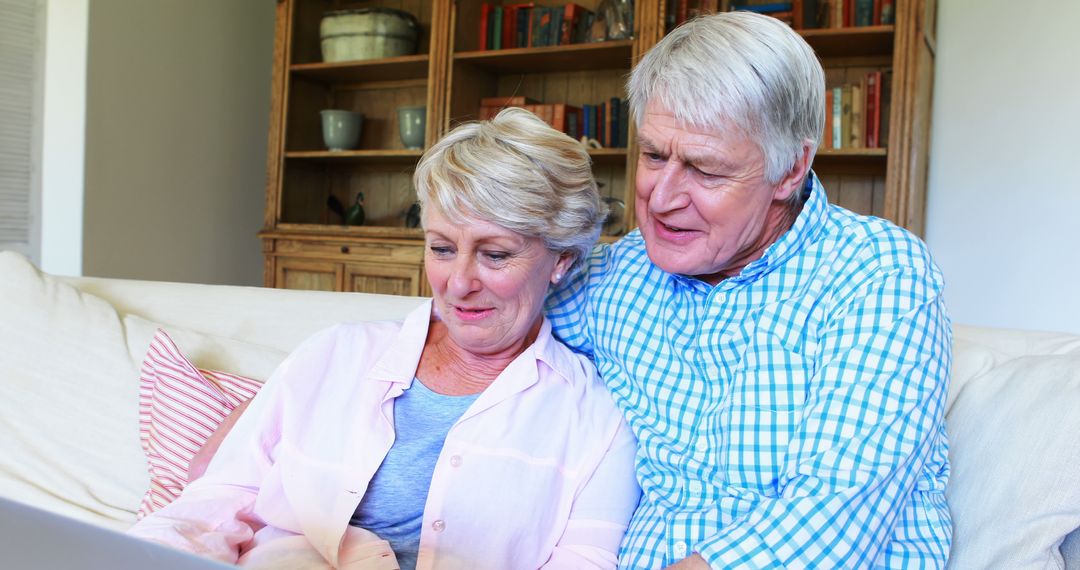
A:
(538, 472)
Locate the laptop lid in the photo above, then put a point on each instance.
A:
(33, 538)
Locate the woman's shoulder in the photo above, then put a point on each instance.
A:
(350, 333)
(578, 373)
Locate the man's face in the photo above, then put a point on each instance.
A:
(703, 205)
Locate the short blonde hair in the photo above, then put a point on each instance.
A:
(520, 174)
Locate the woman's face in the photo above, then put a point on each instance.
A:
(488, 282)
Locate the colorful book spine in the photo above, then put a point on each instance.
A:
(513, 101)
(873, 109)
(838, 113)
(485, 12)
(521, 17)
(864, 12)
(857, 138)
(827, 135)
(845, 116)
(496, 28)
(888, 12)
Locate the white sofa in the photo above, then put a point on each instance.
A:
(70, 350)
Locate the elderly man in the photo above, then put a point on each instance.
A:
(782, 361)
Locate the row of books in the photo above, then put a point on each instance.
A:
(799, 14)
(857, 114)
(842, 13)
(606, 122)
(528, 25)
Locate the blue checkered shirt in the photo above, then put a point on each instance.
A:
(788, 417)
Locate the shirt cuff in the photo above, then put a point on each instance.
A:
(738, 547)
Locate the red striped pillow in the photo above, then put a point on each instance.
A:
(180, 406)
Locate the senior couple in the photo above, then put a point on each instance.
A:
(772, 368)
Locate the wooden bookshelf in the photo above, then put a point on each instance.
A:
(306, 245)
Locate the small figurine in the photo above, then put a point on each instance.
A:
(335, 206)
(355, 215)
(412, 217)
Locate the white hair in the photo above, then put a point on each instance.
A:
(518, 173)
(742, 67)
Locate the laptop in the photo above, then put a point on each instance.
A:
(35, 539)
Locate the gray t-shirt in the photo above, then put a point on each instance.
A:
(393, 506)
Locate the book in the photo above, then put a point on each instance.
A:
(485, 11)
(885, 107)
(610, 125)
(496, 27)
(786, 17)
(521, 16)
(601, 122)
(763, 8)
(507, 101)
(864, 12)
(565, 118)
(555, 27)
(858, 119)
(624, 124)
(682, 11)
(570, 22)
(584, 25)
(541, 16)
(827, 134)
(838, 112)
(888, 12)
(587, 125)
(873, 109)
(509, 26)
(836, 17)
(845, 116)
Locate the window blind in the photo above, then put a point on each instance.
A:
(19, 50)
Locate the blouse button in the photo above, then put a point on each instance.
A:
(455, 461)
(438, 525)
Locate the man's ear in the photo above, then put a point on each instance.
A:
(796, 176)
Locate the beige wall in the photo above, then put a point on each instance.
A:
(177, 107)
(1003, 211)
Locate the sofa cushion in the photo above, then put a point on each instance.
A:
(180, 406)
(68, 400)
(1015, 486)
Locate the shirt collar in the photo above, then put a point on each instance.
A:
(398, 365)
(807, 227)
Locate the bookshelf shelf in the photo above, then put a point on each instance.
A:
(848, 42)
(387, 69)
(356, 156)
(574, 57)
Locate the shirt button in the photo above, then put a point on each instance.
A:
(680, 549)
(438, 525)
(455, 461)
(702, 445)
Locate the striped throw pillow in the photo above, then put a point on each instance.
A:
(180, 406)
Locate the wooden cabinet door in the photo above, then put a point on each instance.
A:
(308, 274)
(384, 278)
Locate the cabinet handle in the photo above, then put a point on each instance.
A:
(344, 249)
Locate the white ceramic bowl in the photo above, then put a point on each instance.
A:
(367, 33)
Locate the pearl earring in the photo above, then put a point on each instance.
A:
(558, 277)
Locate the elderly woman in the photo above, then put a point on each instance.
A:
(464, 436)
